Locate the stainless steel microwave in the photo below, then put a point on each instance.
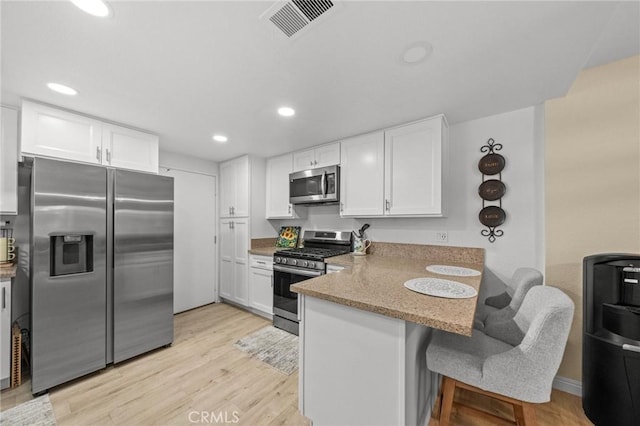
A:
(315, 186)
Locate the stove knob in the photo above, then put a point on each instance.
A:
(305, 263)
(293, 262)
(312, 264)
(278, 260)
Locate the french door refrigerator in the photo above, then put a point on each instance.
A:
(101, 268)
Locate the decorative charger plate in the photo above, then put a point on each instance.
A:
(441, 288)
(457, 271)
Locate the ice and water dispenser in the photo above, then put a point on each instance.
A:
(611, 339)
(71, 254)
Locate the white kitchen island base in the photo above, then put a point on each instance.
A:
(362, 368)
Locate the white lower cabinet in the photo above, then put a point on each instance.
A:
(261, 284)
(5, 332)
(234, 242)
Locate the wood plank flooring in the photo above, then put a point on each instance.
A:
(202, 378)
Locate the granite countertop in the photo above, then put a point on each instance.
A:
(8, 272)
(375, 283)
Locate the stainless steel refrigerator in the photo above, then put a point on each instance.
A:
(101, 268)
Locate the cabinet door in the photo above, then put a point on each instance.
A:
(227, 264)
(278, 169)
(241, 260)
(9, 161)
(55, 133)
(362, 176)
(5, 330)
(241, 205)
(413, 169)
(129, 149)
(261, 290)
(227, 188)
(327, 155)
(303, 160)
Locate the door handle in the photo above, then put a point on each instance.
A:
(323, 184)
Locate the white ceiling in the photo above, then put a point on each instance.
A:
(186, 70)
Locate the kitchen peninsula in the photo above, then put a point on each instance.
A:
(364, 335)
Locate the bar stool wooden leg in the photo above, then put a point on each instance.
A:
(525, 414)
(449, 389)
(437, 406)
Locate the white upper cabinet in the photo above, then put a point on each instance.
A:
(322, 156)
(55, 133)
(399, 172)
(234, 188)
(52, 132)
(129, 149)
(9, 161)
(277, 185)
(414, 157)
(362, 175)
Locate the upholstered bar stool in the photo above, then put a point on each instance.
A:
(505, 305)
(514, 361)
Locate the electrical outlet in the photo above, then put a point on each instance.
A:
(442, 236)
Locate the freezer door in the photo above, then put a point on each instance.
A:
(67, 308)
(143, 263)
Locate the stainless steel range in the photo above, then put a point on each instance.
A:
(295, 265)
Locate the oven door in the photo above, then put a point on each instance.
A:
(285, 302)
(321, 185)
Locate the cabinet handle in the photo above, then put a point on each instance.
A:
(229, 210)
(387, 204)
(289, 208)
(311, 163)
(341, 207)
(233, 225)
(315, 163)
(108, 156)
(98, 153)
(4, 297)
(233, 211)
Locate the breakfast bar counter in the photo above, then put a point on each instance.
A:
(363, 335)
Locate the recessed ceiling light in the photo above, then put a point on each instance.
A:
(417, 52)
(93, 7)
(286, 111)
(220, 138)
(61, 88)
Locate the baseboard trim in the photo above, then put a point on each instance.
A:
(565, 384)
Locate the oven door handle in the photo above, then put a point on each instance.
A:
(303, 272)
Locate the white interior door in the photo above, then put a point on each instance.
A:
(195, 265)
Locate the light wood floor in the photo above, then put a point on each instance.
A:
(202, 374)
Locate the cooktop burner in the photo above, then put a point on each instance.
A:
(312, 253)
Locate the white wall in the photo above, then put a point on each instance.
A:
(521, 132)
(187, 163)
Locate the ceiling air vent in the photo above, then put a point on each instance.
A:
(290, 17)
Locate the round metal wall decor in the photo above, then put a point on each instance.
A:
(491, 164)
(492, 190)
